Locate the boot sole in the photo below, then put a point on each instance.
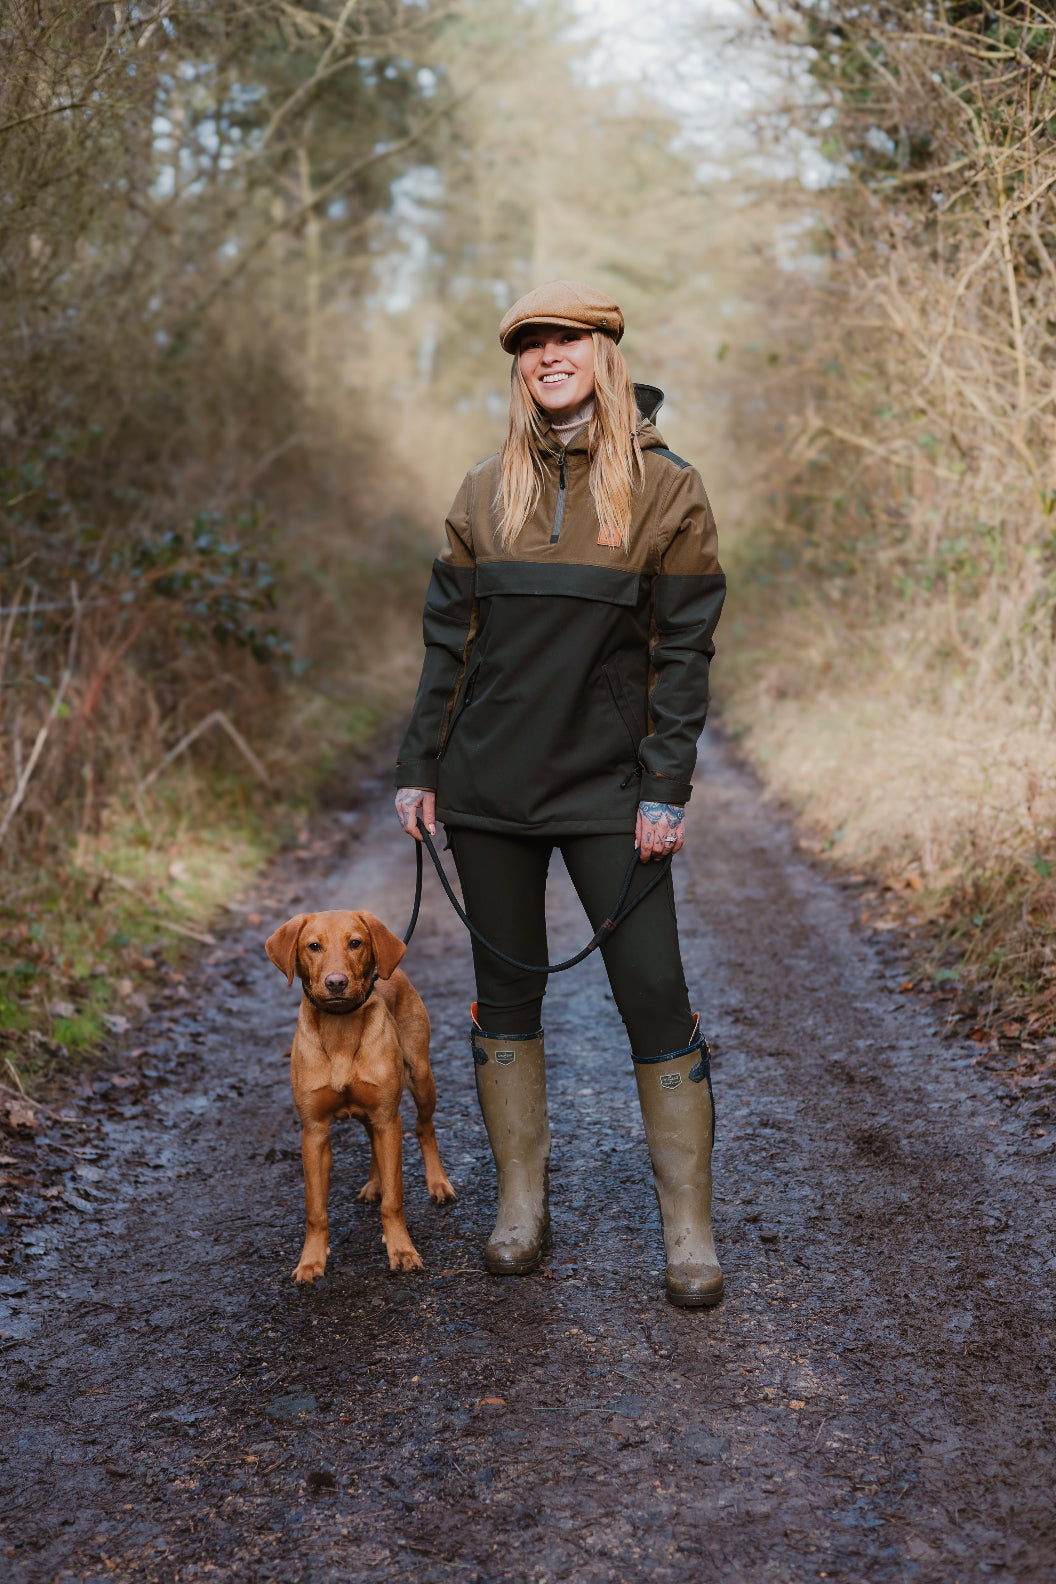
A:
(708, 1300)
(523, 1266)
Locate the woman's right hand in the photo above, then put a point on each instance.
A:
(412, 802)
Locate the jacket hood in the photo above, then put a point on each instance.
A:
(649, 400)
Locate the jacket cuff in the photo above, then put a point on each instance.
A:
(418, 773)
(661, 789)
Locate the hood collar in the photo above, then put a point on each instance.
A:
(649, 400)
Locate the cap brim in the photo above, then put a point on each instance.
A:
(508, 342)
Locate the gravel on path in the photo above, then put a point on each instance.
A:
(874, 1399)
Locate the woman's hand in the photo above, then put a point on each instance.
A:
(412, 801)
(660, 829)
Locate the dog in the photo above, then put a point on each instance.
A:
(362, 1028)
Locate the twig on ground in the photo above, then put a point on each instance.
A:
(214, 718)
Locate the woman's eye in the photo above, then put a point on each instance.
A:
(355, 943)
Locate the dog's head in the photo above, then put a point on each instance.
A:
(336, 956)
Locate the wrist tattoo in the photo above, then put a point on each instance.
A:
(655, 812)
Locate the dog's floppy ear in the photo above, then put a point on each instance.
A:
(388, 948)
(282, 946)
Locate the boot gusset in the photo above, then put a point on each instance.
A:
(679, 1116)
(510, 1071)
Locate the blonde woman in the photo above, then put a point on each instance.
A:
(568, 632)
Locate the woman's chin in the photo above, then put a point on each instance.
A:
(560, 406)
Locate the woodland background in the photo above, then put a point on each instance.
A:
(252, 258)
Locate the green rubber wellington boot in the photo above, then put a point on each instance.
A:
(679, 1115)
(511, 1088)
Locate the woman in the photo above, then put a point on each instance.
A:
(568, 631)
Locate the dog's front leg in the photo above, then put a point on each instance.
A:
(315, 1154)
(388, 1143)
(370, 1192)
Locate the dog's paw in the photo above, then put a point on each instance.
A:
(311, 1264)
(370, 1192)
(406, 1259)
(308, 1271)
(441, 1191)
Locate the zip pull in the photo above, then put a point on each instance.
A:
(635, 775)
(562, 484)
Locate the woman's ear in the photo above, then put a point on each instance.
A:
(282, 946)
(388, 948)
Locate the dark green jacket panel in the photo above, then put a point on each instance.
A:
(446, 628)
(546, 730)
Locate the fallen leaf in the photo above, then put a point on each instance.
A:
(907, 984)
(20, 1115)
(124, 988)
(62, 1009)
(115, 1022)
(492, 1402)
(796, 1402)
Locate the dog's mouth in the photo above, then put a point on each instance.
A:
(349, 1000)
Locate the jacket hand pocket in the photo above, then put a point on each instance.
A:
(469, 687)
(635, 731)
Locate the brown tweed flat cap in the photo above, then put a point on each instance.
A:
(562, 303)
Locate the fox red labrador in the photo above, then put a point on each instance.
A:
(362, 1028)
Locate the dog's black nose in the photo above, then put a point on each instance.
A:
(336, 983)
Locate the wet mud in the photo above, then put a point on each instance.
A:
(874, 1400)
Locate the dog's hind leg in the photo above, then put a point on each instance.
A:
(370, 1192)
(414, 1040)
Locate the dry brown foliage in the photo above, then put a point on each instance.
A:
(183, 186)
(905, 675)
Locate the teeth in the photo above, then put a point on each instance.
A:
(551, 379)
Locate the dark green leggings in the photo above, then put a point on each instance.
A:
(504, 890)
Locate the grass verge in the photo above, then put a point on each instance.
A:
(899, 771)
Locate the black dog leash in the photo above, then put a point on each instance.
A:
(620, 912)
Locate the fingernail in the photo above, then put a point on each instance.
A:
(432, 830)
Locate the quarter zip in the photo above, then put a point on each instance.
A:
(562, 484)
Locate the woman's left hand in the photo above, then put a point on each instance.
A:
(660, 829)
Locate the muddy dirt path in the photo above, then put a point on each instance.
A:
(872, 1401)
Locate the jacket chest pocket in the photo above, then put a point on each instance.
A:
(622, 704)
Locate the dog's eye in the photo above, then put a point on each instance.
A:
(314, 946)
(355, 943)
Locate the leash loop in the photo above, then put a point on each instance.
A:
(620, 912)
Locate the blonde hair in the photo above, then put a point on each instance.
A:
(616, 464)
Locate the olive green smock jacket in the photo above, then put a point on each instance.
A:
(566, 680)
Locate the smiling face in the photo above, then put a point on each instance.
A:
(557, 365)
